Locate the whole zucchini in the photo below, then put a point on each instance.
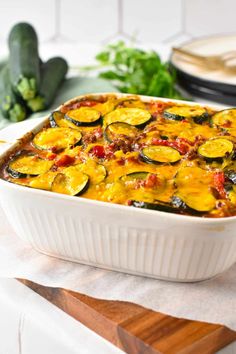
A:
(24, 60)
(53, 73)
(10, 105)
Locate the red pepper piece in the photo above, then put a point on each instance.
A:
(51, 156)
(98, 151)
(64, 160)
(151, 181)
(158, 106)
(227, 124)
(219, 180)
(87, 103)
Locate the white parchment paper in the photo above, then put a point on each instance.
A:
(211, 301)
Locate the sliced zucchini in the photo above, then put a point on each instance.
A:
(134, 176)
(28, 165)
(177, 202)
(160, 206)
(105, 107)
(192, 176)
(225, 119)
(193, 188)
(56, 139)
(71, 182)
(119, 130)
(132, 116)
(160, 154)
(231, 175)
(198, 114)
(83, 116)
(57, 119)
(96, 172)
(215, 149)
(199, 200)
(43, 181)
(153, 181)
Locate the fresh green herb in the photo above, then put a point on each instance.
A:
(137, 71)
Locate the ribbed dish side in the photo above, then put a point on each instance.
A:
(149, 252)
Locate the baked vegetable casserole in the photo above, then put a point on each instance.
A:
(156, 155)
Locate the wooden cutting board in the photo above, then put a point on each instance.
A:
(135, 329)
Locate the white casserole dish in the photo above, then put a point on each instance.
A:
(143, 242)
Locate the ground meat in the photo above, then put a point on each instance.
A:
(93, 136)
(121, 144)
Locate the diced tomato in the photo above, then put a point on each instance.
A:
(87, 103)
(64, 109)
(157, 106)
(219, 180)
(51, 156)
(151, 181)
(98, 151)
(227, 124)
(121, 161)
(64, 160)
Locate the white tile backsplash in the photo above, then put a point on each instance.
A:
(152, 21)
(101, 21)
(41, 14)
(210, 17)
(90, 20)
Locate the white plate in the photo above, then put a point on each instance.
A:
(213, 45)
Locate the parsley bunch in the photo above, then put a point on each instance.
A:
(137, 71)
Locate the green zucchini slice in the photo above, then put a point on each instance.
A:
(225, 119)
(56, 139)
(96, 172)
(160, 154)
(133, 116)
(57, 119)
(134, 176)
(83, 116)
(201, 201)
(215, 149)
(193, 188)
(231, 175)
(43, 181)
(119, 130)
(28, 165)
(71, 182)
(198, 114)
(158, 205)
